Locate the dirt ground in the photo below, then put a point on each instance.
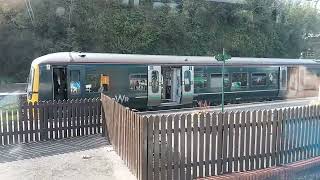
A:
(97, 163)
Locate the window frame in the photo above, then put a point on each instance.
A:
(266, 76)
(79, 80)
(187, 87)
(247, 85)
(140, 74)
(86, 82)
(225, 74)
(155, 84)
(204, 83)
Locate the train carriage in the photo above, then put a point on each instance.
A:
(160, 82)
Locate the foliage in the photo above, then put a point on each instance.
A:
(197, 27)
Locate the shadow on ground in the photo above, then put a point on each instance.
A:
(16, 152)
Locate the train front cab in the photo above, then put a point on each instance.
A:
(56, 82)
(52, 85)
(170, 86)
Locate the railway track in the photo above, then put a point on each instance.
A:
(265, 105)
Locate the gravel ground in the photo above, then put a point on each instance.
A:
(70, 164)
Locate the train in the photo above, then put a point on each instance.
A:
(162, 81)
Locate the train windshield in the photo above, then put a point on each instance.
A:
(30, 82)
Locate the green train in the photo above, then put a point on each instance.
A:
(163, 82)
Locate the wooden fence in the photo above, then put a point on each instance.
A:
(189, 146)
(126, 132)
(50, 120)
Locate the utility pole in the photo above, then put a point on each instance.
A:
(222, 57)
(70, 12)
(30, 11)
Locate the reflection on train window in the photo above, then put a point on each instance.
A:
(239, 80)
(259, 79)
(138, 82)
(92, 82)
(75, 86)
(187, 81)
(155, 81)
(200, 80)
(216, 82)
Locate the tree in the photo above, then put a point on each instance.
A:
(197, 27)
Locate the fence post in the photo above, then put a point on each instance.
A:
(41, 114)
(103, 116)
(280, 138)
(44, 120)
(144, 168)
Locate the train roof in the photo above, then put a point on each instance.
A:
(108, 58)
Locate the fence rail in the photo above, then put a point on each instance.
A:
(50, 120)
(189, 146)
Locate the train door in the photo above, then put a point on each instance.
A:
(176, 85)
(75, 81)
(59, 78)
(187, 84)
(154, 85)
(171, 85)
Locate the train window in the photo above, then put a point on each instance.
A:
(59, 84)
(216, 82)
(138, 82)
(259, 79)
(92, 82)
(200, 80)
(155, 81)
(75, 86)
(187, 81)
(273, 79)
(239, 80)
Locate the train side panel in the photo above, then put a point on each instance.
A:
(241, 84)
(127, 83)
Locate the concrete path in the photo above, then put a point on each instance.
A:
(89, 157)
